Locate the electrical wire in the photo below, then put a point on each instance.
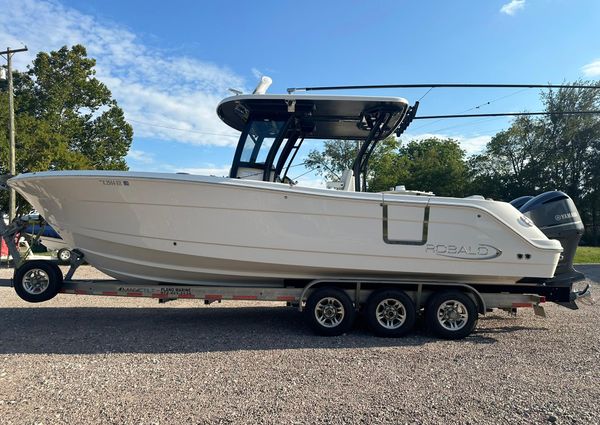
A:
(445, 85)
(504, 114)
(426, 93)
(309, 171)
(474, 107)
(184, 129)
(476, 122)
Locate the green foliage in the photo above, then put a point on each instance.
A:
(65, 117)
(436, 165)
(429, 164)
(587, 254)
(510, 165)
(337, 156)
(555, 152)
(386, 168)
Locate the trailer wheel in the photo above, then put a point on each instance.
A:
(390, 313)
(37, 281)
(330, 311)
(451, 315)
(64, 255)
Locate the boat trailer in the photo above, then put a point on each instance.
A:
(390, 305)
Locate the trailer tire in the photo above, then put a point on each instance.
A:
(330, 311)
(451, 315)
(64, 256)
(390, 313)
(37, 281)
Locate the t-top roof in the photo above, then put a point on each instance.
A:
(322, 117)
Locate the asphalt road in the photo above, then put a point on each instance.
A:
(591, 271)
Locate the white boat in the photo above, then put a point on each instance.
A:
(256, 227)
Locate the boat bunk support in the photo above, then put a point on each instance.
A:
(76, 261)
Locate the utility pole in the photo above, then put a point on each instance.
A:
(8, 53)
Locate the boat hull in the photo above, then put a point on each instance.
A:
(183, 229)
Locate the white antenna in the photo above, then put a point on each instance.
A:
(263, 85)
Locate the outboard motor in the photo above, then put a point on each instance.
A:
(520, 201)
(555, 214)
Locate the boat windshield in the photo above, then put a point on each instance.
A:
(261, 136)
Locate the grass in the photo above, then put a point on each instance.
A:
(587, 254)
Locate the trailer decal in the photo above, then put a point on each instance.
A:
(286, 298)
(245, 297)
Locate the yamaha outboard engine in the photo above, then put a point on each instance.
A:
(519, 202)
(555, 214)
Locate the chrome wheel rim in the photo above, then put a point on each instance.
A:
(329, 312)
(390, 313)
(36, 281)
(452, 315)
(64, 255)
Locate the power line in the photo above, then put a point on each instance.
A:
(494, 117)
(447, 86)
(504, 114)
(494, 100)
(474, 107)
(184, 129)
(426, 93)
(482, 121)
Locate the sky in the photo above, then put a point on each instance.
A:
(168, 64)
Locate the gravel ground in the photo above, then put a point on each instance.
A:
(82, 359)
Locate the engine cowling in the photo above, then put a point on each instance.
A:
(555, 214)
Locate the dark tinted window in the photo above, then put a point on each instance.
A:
(259, 140)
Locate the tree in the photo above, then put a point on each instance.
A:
(512, 163)
(574, 145)
(430, 164)
(65, 117)
(387, 169)
(433, 164)
(554, 152)
(336, 157)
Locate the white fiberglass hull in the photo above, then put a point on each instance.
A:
(186, 229)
